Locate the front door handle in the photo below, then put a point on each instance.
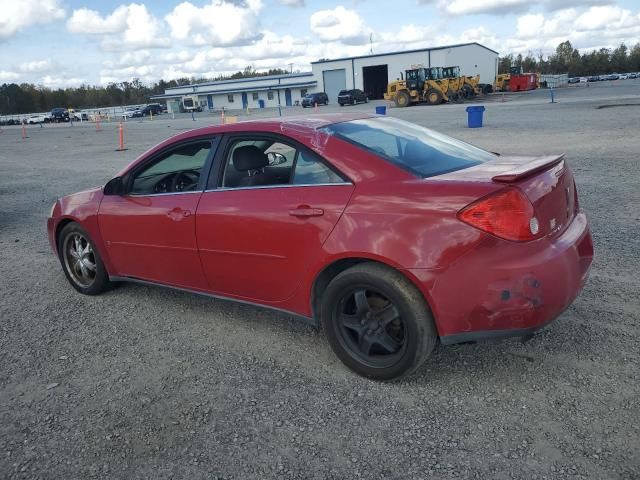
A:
(306, 211)
(177, 214)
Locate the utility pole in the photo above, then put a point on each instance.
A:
(371, 43)
(291, 68)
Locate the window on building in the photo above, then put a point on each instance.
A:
(255, 95)
(303, 92)
(230, 98)
(270, 95)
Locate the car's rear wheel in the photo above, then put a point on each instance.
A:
(377, 322)
(81, 261)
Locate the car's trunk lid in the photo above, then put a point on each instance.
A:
(545, 180)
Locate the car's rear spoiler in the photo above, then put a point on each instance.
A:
(535, 165)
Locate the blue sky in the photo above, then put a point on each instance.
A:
(69, 42)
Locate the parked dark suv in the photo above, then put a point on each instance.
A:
(351, 97)
(59, 115)
(310, 100)
(156, 108)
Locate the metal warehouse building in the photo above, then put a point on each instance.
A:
(258, 92)
(372, 73)
(369, 73)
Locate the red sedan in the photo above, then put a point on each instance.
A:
(391, 235)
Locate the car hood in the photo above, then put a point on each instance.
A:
(71, 202)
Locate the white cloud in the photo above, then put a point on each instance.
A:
(6, 75)
(339, 24)
(409, 34)
(37, 66)
(292, 3)
(471, 7)
(506, 7)
(61, 82)
(89, 21)
(598, 26)
(128, 26)
(217, 23)
(18, 15)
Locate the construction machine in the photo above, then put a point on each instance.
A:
(419, 85)
(516, 81)
(455, 84)
(502, 82)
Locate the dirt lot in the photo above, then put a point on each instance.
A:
(145, 382)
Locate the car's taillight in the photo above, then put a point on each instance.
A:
(506, 214)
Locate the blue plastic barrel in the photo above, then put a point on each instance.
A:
(381, 110)
(474, 116)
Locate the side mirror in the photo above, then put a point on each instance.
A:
(115, 186)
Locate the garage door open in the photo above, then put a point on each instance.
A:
(374, 80)
(334, 81)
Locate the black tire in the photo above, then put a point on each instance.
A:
(402, 99)
(98, 279)
(387, 335)
(434, 97)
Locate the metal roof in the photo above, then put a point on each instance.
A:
(258, 88)
(241, 80)
(329, 60)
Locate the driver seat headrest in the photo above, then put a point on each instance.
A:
(249, 157)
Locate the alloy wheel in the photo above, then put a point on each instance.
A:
(79, 259)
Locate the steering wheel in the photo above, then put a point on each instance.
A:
(185, 181)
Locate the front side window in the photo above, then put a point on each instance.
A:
(175, 172)
(421, 151)
(261, 162)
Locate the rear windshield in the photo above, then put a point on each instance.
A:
(344, 92)
(419, 150)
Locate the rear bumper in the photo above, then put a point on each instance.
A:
(505, 289)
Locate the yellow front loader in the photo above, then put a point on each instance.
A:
(420, 85)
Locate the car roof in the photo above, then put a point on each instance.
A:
(281, 124)
(296, 125)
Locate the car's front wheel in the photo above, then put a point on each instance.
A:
(377, 322)
(81, 261)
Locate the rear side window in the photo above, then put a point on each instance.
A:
(311, 171)
(419, 150)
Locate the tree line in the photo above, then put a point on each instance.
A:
(28, 98)
(568, 59)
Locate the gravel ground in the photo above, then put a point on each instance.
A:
(145, 382)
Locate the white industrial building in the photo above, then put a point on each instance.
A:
(372, 73)
(369, 73)
(258, 92)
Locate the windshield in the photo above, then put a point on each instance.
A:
(421, 151)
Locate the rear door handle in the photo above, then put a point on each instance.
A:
(306, 211)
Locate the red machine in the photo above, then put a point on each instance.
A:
(522, 81)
